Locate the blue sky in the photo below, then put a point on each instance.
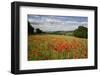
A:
(57, 23)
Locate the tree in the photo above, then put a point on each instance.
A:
(81, 32)
(30, 29)
(38, 30)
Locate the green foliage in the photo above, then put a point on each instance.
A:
(81, 32)
(38, 31)
(30, 29)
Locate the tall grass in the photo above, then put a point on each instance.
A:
(50, 47)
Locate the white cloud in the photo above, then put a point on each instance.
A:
(54, 27)
(52, 23)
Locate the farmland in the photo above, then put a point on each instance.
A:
(53, 47)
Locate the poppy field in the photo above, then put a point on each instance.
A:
(54, 47)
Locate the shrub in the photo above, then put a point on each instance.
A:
(38, 31)
(81, 32)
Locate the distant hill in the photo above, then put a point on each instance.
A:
(60, 32)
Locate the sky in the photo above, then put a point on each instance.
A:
(57, 23)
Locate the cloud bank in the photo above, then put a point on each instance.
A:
(57, 23)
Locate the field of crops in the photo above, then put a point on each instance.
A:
(50, 47)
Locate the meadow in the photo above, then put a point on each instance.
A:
(54, 47)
